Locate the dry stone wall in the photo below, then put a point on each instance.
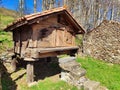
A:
(104, 42)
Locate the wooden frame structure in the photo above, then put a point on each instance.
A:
(45, 34)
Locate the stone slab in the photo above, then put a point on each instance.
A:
(66, 59)
(78, 72)
(91, 85)
(70, 65)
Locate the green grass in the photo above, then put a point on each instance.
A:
(8, 12)
(106, 73)
(5, 37)
(5, 41)
(5, 20)
(78, 40)
(47, 84)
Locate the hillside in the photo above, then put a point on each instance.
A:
(7, 12)
(6, 17)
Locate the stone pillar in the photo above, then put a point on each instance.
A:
(30, 72)
(13, 64)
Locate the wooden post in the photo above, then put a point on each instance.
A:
(30, 72)
(13, 64)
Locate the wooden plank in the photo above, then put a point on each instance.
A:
(30, 72)
(49, 52)
(43, 50)
(53, 38)
(73, 40)
(60, 38)
(68, 38)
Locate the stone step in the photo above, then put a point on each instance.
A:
(70, 65)
(102, 88)
(91, 85)
(66, 59)
(78, 72)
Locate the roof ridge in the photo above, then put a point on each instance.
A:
(60, 8)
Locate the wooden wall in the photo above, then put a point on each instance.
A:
(46, 33)
(50, 33)
(22, 38)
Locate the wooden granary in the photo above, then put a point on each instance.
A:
(45, 34)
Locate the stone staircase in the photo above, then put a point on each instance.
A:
(73, 73)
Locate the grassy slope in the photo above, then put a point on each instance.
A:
(47, 84)
(5, 37)
(8, 12)
(106, 73)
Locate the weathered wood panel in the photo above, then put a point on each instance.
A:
(60, 38)
(68, 38)
(16, 38)
(46, 38)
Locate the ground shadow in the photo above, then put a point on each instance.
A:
(6, 81)
(46, 68)
(43, 68)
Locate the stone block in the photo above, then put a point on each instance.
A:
(69, 66)
(66, 59)
(78, 72)
(91, 85)
(65, 76)
(102, 88)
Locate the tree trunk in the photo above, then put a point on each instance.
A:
(52, 2)
(21, 7)
(35, 6)
(112, 13)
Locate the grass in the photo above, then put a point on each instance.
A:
(5, 37)
(8, 12)
(47, 84)
(5, 20)
(5, 41)
(107, 74)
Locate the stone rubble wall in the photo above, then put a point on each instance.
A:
(104, 42)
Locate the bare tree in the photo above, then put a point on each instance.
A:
(21, 7)
(48, 4)
(35, 6)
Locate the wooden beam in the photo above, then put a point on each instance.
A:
(30, 72)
